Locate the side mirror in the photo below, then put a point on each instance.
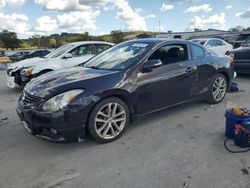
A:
(68, 55)
(151, 64)
(208, 46)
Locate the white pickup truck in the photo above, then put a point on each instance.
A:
(69, 55)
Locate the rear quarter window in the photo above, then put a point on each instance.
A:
(197, 51)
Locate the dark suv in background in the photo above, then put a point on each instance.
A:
(242, 57)
(240, 40)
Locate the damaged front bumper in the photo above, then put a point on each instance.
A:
(15, 78)
(63, 126)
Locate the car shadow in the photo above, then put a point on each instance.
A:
(152, 118)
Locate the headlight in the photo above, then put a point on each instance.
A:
(61, 101)
(27, 71)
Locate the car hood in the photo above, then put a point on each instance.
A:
(27, 63)
(53, 83)
(241, 49)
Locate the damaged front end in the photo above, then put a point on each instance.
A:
(64, 124)
(18, 77)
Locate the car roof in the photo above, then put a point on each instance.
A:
(207, 39)
(90, 42)
(157, 40)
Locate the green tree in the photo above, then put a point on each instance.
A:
(117, 36)
(247, 29)
(237, 28)
(9, 39)
(52, 43)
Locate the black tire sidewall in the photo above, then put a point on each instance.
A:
(211, 98)
(91, 120)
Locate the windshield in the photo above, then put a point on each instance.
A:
(119, 57)
(247, 42)
(59, 51)
(242, 37)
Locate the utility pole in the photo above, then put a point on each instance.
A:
(159, 26)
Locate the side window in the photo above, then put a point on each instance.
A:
(210, 43)
(37, 53)
(170, 53)
(247, 43)
(197, 51)
(101, 47)
(82, 50)
(218, 43)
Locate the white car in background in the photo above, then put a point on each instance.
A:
(216, 45)
(69, 55)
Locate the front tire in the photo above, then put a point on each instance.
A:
(217, 89)
(108, 120)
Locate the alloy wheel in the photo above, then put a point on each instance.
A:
(219, 88)
(110, 120)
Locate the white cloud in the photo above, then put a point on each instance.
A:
(62, 5)
(150, 16)
(93, 2)
(70, 5)
(130, 16)
(14, 22)
(204, 7)
(78, 21)
(183, 1)
(46, 24)
(4, 3)
(214, 21)
(166, 7)
(229, 7)
(244, 14)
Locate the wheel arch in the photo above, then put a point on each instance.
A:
(124, 95)
(225, 73)
(46, 70)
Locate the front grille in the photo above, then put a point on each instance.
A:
(30, 100)
(242, 56)
(18, 78)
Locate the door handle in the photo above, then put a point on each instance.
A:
(189, 70)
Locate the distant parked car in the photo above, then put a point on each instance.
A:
(3, 57)
(37, 53)
(19, 55)
(65, 56)
(2, 53)
(241, 39)
(218, 46)
(242, 57)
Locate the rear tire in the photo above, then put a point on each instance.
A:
(108, 120)
(217, 89)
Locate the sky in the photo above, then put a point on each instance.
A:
(98, 17)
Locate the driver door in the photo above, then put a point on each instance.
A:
(167, 85)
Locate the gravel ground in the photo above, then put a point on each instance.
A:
(178, 147)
